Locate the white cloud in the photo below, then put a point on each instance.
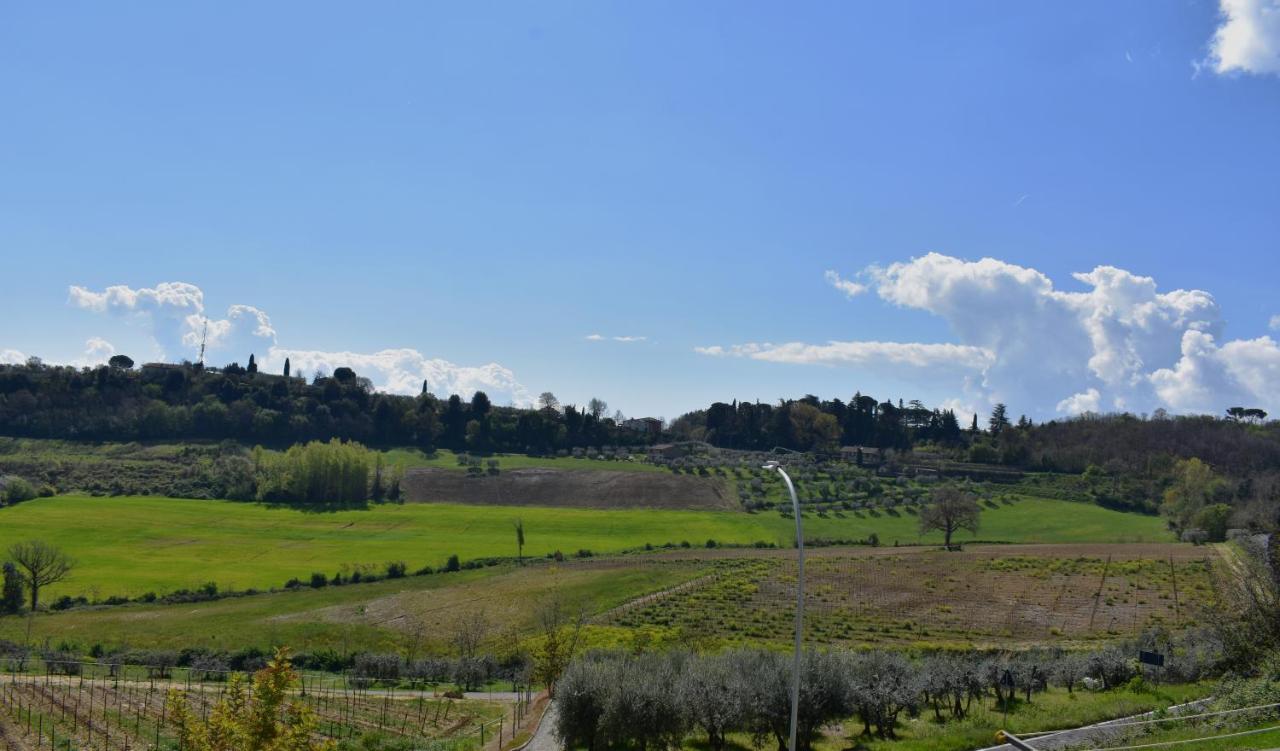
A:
(1248, 38)
(851, 289)
(859, 353)
(1078, 404)
(594, 337)
(402, 371)
(1121, 343)
(1274, 323)
(166, 310)
(1208, 377)
(96, 352)
(244, 331)
(11, 357)
(174, 314)
(623, 339)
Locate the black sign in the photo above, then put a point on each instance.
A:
(1151, 658)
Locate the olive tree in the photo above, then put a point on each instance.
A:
(881, 686)
(713, 695)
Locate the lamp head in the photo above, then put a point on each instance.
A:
(770, 465)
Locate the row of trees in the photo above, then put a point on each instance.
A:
(183, 402)
(658, 700)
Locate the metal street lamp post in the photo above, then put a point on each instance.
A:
(795, 669)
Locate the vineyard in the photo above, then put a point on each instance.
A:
(980, 596)
(111, 708)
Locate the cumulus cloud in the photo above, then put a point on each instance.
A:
(1078, 404)
(174, 314)
(1208, 377)
(623, 339)
(851, 289)
(11, 357)
(1274, 323)
(166, 310)
(402, 371)
(244, 330)
(1247, 39)
(1120, 343)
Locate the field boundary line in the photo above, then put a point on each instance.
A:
(653, 597)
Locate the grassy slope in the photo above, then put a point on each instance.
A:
(355, 616)
(133, 545)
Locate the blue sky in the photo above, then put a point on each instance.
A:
(475, 184)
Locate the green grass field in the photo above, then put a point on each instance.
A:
(381, 616)
(132, 545)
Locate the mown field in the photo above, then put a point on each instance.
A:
(402, 615)
(133, 545)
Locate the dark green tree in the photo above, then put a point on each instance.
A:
(480, 405)
(253, 365)
(286, 367)
(11, 595)
(519, 525)
(999, 419)
(121, 361)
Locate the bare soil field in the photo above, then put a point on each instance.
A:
(570, 488)
(985, 595)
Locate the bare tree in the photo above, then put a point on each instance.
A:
(469, 633)
(951, 510)
(548, 400)
(598, 408)
(560, 626)
(40, 564)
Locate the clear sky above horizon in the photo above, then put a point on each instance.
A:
(659, 204)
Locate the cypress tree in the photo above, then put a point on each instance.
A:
(253, 366)
(286, 367)
(11, 595)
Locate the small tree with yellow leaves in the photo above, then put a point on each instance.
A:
(255, 718)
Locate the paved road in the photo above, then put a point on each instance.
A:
(544, 739)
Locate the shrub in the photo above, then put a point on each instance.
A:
(396, 569)
(453, 564)
(14, 489)
(319, 580)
